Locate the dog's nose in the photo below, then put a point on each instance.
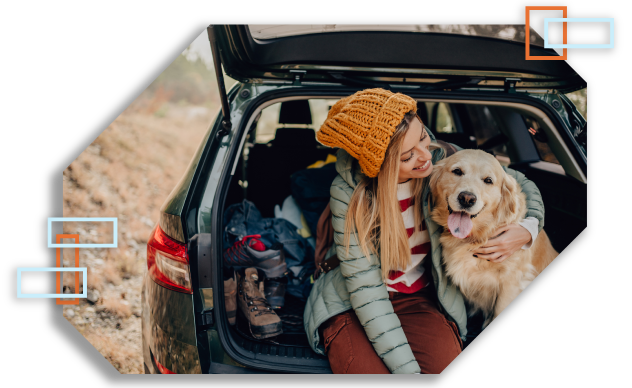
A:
(466, 199)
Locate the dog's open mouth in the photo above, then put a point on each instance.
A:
(460, 223)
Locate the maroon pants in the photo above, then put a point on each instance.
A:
(433, 339)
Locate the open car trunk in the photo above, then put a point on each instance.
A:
(382, 58)
(263, 167)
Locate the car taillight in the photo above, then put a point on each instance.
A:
(161, 367)
(168, 262)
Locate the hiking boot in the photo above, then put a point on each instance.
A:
(262, 320)
(274, 291)
(230, 299)
(251, 252)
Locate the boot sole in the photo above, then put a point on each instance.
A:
(262, 332)
(276, 302)
(267, 331)
(232, 315)
(272, 267)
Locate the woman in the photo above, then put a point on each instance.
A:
(388, 307)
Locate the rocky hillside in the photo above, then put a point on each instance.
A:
(127, 172)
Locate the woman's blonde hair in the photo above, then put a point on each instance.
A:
(374, 214)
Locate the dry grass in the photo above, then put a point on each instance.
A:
(111, 273)
(126, 172)
(95, 281)
(128, 265)
(117, 307)
(120, 354)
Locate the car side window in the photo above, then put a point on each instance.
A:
(487, 132)
(444, 121)
(439, 117)
(267, 124)
(540, 140)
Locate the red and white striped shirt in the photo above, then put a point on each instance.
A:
(413, 278)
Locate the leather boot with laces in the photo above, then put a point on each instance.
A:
(262, 319)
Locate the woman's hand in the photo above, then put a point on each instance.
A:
(512, 237)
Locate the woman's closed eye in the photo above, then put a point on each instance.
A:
(412, 152)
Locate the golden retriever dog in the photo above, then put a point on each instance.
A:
(473, 197)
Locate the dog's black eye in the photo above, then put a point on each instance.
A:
(488, 180)
(457, 171)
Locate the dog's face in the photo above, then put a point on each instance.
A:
(472, 192)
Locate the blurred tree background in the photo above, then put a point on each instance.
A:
(189, 80)
(186, 81)
(580, 99)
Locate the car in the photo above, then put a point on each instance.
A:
(474, 91)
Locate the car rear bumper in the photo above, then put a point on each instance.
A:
(168, 330)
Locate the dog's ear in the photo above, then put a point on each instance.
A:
(508, 200)
(437, 171)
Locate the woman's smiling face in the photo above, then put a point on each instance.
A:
(415, 158)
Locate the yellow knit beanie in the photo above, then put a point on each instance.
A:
(363, 123)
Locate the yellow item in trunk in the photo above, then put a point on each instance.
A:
(318, 164)
(304, 231)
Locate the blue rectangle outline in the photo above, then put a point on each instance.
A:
(114, 220)
(580, 20)
(84, 270)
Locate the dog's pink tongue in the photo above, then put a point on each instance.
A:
(460, 224)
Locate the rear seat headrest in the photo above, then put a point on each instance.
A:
(295, 137)
(295, 112)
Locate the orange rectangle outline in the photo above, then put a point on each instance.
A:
(527, 44)
(59, 265)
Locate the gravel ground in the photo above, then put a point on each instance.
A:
(117, 336)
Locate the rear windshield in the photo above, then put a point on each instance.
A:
(512, 32)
